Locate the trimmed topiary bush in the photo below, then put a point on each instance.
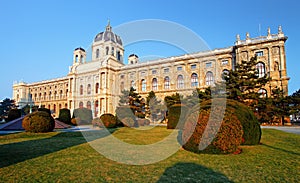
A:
(13, 114)
(39, 121)
(108, 120)
(65, 116)
(251, 126)
(83, 116)
(176, 115)
(74, 121)
(226, 140)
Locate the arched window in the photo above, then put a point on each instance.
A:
(59, 106)
(209, 78)
(50, 95)
(76, 58)
(154, 84)
(144, 85)
(97, 88)
(122, 86)
(263, 93)
(132, 84)
(113, 51)
(107, 50)
(88, 104)
(81, 59)
(89, 89)
(80, 104)
(81, 90)
(261, 69)
(54, 108)
(96, 108)
(60, 94)
(167, 83)
(180, 81)
(97, 53)
(119, 55)
(194, 80)
(225, 73)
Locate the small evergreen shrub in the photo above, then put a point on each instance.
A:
(64, 116)
(13, 114)
(108, 120)
(176, 115)
(39, 121)
(74, 121)
(83, 116)
(226, 140)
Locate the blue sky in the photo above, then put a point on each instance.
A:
(38, 37)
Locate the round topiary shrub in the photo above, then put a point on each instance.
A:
(83, 116)
(64, 116)
(13, 114)
(176, 115)
(226, 140)
(74, 121)
(38, 121)
(250, 124)
(108, 120)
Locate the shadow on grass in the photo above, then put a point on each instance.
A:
(282, 150)
(191, 172)
(21, 151)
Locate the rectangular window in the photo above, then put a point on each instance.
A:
(166, 70)
(154, 71)
(259, 53)
(224, 62)
(208, 65)
(194, 66)
(179, 68)
(143, 73)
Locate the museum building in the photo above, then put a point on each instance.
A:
(97, 84)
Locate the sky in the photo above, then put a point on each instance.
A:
(37, 38)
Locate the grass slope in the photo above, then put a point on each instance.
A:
(66, 157)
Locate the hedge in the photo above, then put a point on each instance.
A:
(65, 116)
(39, 121)
(223, 136)
(83, 116)
(176, 115)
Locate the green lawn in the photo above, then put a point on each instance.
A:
(67, 157)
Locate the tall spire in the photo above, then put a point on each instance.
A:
(108, 27)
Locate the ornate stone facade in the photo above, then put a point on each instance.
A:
(97, 84)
